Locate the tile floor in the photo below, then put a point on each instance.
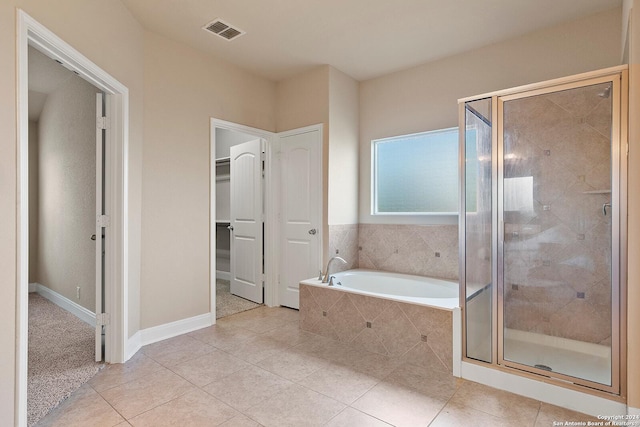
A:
(257, 368)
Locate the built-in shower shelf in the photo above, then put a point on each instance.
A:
(597, 192)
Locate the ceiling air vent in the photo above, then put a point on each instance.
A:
(223, 29)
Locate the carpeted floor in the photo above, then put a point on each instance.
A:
(61, 356)
(227, 303)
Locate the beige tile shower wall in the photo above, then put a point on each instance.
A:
(343, 242)
(423, 250)
(556, 272)
(405, 332)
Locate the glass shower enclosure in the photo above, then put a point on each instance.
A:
(542, 232)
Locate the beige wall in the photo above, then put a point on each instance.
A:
(33, 201)
(425, 97)
(107, 34)
(343, 148)
(633, 280)
(183, 88)
(303, 100)
(67, 192)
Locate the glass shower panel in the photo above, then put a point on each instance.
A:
(556, 198)
(478, 209)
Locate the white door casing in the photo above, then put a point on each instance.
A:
(301, 202)
(246, 220)
(100, 232)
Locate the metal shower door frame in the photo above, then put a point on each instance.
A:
(618, 232)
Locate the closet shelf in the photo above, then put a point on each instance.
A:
(223, 161)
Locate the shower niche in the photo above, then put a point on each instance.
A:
(543, 229)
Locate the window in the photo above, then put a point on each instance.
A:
(416, 174)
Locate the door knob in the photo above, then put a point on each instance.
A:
(604, 208)
(93, 237)
(312, 231)
(230, 227)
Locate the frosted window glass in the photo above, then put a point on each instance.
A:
(417, 173)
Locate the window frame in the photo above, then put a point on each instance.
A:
(410, 217)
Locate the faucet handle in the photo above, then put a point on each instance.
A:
(320, 276)
(331, 280)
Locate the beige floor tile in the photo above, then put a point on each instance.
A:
(261, 324)
(332, 350)
(399, 405)
(550, 413)
(137, 367)
(124, 424)
(289, 333)
(455, 415)
(210, 367)
(83, 408)
(256, 349)
(373, 364)
(434, 383)
(502, 404)
(136, 397)
(293, 365)
(295, 406)
(223, 336)
(240, 421)
(339, 383)
(353, 418)
(193, 409)
(247, 387)
(176, 350)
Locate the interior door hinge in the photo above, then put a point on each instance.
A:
(103, 319)
(101, 122)
(103, 221)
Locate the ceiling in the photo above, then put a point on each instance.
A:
(363, 38)
(45, 76)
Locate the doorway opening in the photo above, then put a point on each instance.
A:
(239, 220)
(109, 226)
(284, 170)
(64, 349)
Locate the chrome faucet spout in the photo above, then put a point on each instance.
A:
(325, 278)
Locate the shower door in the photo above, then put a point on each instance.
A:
(558, 208)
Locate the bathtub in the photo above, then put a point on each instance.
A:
(420, 290)
(413, 318)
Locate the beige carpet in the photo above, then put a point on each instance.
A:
(61, 356)
(227, 303)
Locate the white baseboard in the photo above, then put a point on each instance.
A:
(33, 287)
(134, 344)
(544, 392)
(179, 327)
(65, 303)
(168, 330)
(223, 275)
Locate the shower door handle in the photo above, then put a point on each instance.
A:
(604, 208)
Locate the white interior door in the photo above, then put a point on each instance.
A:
(301, 195)
(99, 236)
(246, 220)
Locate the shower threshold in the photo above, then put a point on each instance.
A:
(569, 357)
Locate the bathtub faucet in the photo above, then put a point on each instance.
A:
(325, 278)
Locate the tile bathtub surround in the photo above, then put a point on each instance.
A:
(402, 332)
(422, 250)
(343, 242)
(309, 380)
